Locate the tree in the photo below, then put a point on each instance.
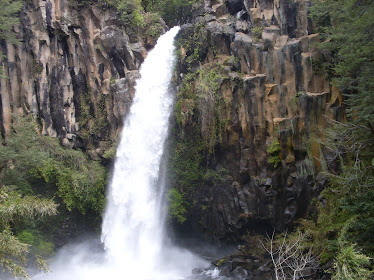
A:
(13, 208)
(34, 166)
(38, 164)
(347, 26)
(9, 17)
(343, 230)
(291, 258)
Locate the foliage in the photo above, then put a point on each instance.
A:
(37, 241)
(36, 163)
(348, 51)
(185, 163)
(257, 33)
(254, 245)
(153, 25)
(210, 104)
(93, 117)
(343, 230)
(215, 176)
(131, 11)
(174, 12)
(177, 207)
(13, 208)
(273, 151)
(200, 95)
(186, 172)
(195, 45)
(8, 18)
(135, 12)
(345, 221)
(350, 263)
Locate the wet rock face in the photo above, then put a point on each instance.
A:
(74, 68)
(277, 108)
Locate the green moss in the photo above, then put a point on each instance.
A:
(153, 25)
(257, 33)
(37, 68)
(111, 153)
(300, 93)
(200, 99)
(112, 80)
(185, 169)
(185, 163)
(93, 117)
(194, 44)
(177, 207)
(37, 241)
(215, 176)
(220, 262)
(273, 151)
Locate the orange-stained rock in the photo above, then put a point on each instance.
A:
(281, 100)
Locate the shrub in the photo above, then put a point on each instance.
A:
(39, 164)
(177, 208)
(273, 151)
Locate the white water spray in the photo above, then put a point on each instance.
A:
(132, 227)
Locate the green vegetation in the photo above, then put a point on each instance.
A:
(177, 207)
(185, 163)
(273, 151)
(135, 12)
(257, 33)
(8, 18)
(188, 169)
(350, 263)
(210, 104)
(131, 11)
(37, 241)
(153, 25)
(174, 12)
(349, 52)
(93, 117)
(343, 229)
(33, 166)
(200, 98)
(185, 173)
(39, 164)
(194, 45)
(14, 208)
(220, 262)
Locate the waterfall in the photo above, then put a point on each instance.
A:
(132, 230)
(132, 226)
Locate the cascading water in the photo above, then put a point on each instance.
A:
(132, 231)
(132, 227)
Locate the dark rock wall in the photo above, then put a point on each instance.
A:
(74, 67)
(280, 98)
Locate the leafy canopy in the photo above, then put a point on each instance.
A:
(9, 17)
(13, 208)
(343, 230)
(38, 164)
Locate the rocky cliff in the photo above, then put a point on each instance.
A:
(273, 106)
(74, 68)
(251, 102)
